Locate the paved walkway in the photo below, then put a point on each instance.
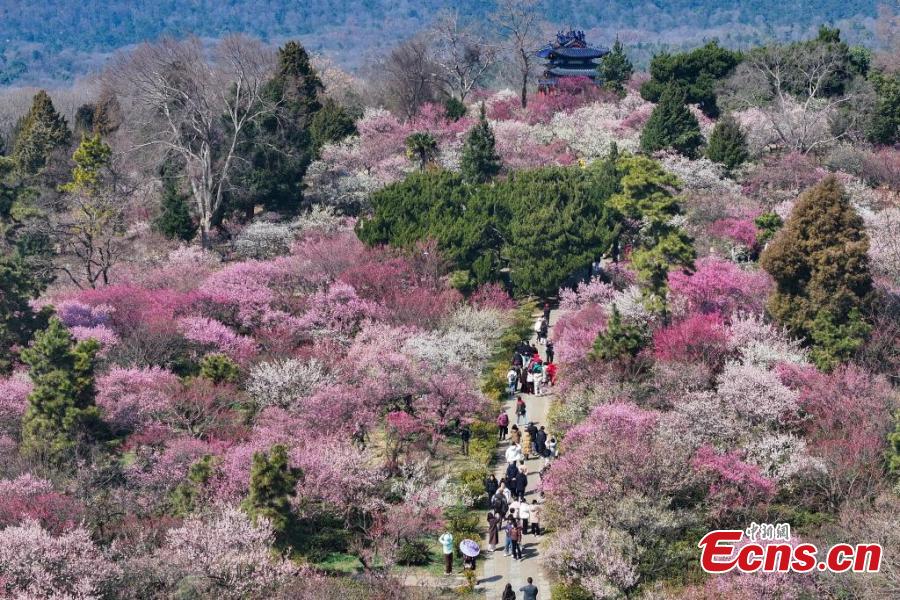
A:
(499, 569)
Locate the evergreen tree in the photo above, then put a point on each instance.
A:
(820, 265)
(884, 125)
(272, 484)
(42, 131)
(619, 340)
(18, 321)
(672, 126)
(616, 69)
(331, 124)
(480, 161)
(92, 158)
(727, 143)
(84, 119)
(767, 225)
(61, 414)
(421, 147)
(218, 368)
(186, 496)
(646, 198)
(454, 108)
(174, 221)
(281, 145)
(695, 72)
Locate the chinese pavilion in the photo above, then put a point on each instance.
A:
(568, 56)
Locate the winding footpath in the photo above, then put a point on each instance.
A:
(499, 569)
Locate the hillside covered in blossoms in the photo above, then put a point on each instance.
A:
(264, 324)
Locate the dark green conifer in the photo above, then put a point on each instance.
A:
(480, 161)
(672, 126)
(727, 143)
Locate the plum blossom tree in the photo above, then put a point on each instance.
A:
(133, 397)
(28, 498)
(36, 564)
(734, 486)
(601, 560)
(225, 555)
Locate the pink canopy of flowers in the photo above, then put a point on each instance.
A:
(718, 285)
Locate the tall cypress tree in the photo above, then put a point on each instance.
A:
(821, 269)
(480, 161)
(727, 143)
(672, 126)
(42, 131)
(272, 484)
(615, 68)
(61, 413)
(281, 145)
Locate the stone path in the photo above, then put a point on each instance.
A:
(499, 569)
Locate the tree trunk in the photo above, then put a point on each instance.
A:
(524, 89)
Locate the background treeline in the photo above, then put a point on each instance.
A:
(57, 39)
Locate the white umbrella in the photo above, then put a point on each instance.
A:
(470, 548)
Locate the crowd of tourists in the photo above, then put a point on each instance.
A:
(511, 513)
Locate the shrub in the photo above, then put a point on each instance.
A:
(413, 553)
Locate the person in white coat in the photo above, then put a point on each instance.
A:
(514, 453)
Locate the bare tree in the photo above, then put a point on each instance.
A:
(887, 31)
(406, 78)
(461, 52)
(196, 106)
(792, 85)
(519, 23)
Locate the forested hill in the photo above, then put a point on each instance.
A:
(56, 39)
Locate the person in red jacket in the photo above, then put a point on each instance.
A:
(502, 425)
(551, 372)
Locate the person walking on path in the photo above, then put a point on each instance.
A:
(465, 435)
(446, 541)
(521, 484)
(494, 522)
(535, 512)
(524, 515)
(512, 381)
(502, 425)
(515, 436)
(526, 442)
(540, 441)
(530, 591)
(515, 535)
(507, 531)
(508, 593)
(491, 485)
(521, 410)
(548, 347)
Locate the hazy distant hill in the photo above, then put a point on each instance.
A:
(56, 39)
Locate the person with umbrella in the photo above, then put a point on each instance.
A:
(469, 549)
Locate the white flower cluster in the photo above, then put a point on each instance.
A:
(280, 382)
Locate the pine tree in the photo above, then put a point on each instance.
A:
(646, 198)
(61, 414)
(672, 126)
(480, 161)
(272, 484)
(454, 108)
(619, 340)
(18, 321)
(281, 145)
(616, 69)
(186, 496)
(727, 143)
(331, 124)
(91, 158)
(42, 131)
(820, 265)
(174, 221)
